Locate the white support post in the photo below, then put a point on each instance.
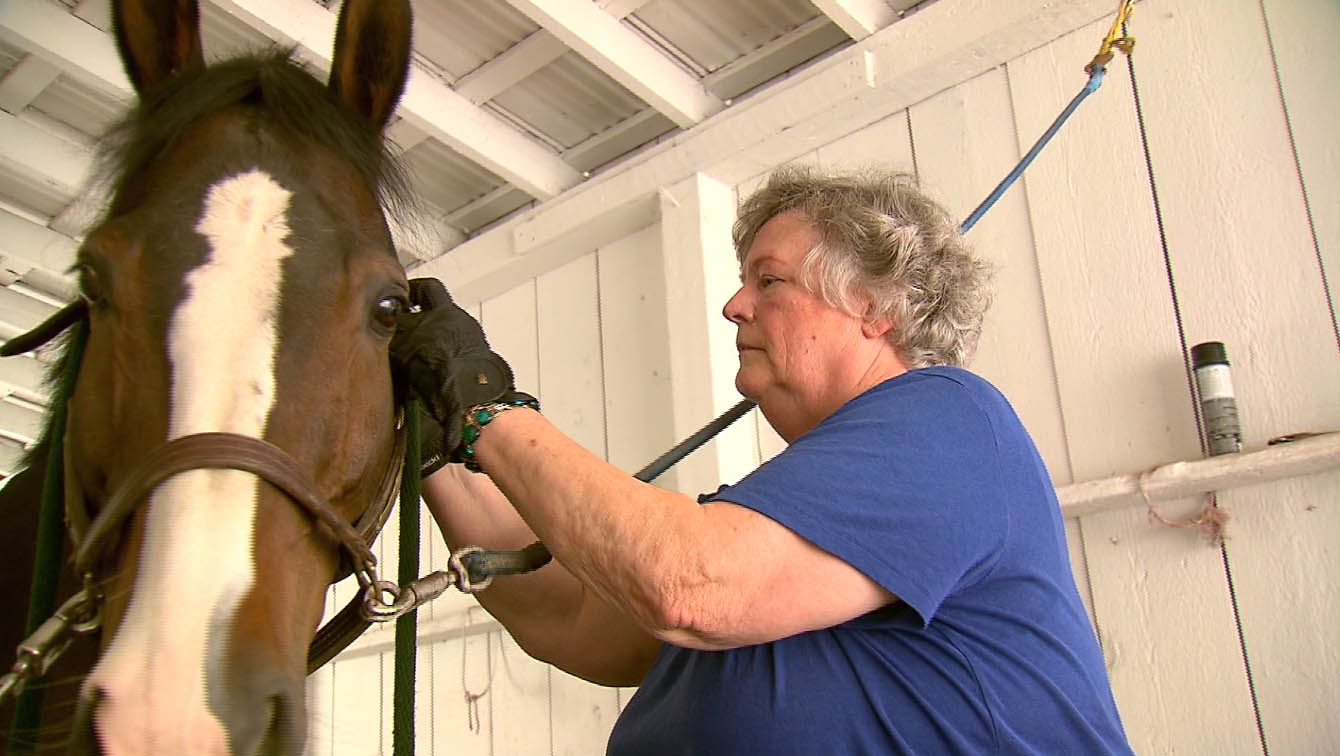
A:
(700, 275)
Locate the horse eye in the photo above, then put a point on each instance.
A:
(388, 310)
(90, 288)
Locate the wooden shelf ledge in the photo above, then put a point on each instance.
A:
(1177, 480)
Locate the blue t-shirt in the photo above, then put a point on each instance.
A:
(929, 484)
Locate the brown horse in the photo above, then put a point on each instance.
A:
(244, 282)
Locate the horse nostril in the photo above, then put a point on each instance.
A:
(285, 735)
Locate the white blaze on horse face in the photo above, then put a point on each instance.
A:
(196, 558)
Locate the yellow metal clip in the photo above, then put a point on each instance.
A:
(1114, 38)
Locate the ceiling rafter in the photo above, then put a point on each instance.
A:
(25, 245)
(25, 81)
(516, 63)
(624, 56)
(77, 47)
(21, 376)
(428, 103)
(59, 166)
(858, 18)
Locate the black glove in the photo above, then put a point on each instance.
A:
(443, 356)
(432, 455)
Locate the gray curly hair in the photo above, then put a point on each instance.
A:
(882, 242)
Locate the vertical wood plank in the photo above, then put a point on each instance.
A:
(320, 704)
(1303, 34)
(1159, 596)
(883, 144)
(1246, 273)
(460, 662)
(581, 714)
(509, 323)
(638, 413)
(519, 693)
(356, 706)
(568, 328)
(701, 274)
(520, 698)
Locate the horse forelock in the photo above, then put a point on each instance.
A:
(283, 95)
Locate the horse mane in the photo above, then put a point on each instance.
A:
(283, 93)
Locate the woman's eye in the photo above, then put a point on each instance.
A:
(388, 310)
(766, 281)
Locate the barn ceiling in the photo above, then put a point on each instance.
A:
(510, 103)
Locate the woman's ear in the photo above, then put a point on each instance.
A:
(876, 327)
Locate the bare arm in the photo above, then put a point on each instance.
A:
(552, 616)
(712, 577)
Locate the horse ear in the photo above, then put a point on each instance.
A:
(371, 60)
(158, 39)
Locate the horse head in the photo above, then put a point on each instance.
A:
(242, 282)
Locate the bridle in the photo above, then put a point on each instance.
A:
(470, 569)
(231, 451)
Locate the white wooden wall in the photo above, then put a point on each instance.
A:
(1207, 213)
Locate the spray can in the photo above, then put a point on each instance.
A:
(1218, 404)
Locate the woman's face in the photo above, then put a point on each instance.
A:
(800, 358)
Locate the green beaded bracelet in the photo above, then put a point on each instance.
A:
(482, 414)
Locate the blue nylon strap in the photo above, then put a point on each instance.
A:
(1095, 80)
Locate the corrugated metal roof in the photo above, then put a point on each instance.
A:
(458, 36)
(528, 87)
(568, 101)
(713, 33)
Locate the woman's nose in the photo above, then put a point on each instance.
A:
(735, 308)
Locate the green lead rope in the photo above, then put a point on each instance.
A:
(406, 626)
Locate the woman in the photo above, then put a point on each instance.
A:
(895, 581)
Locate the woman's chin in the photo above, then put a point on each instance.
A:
(748, 385)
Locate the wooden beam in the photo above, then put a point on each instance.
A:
(627, 58)
(428, 103)
(25, 245)
(24, 82)
(519, 61)
(22, 311)
(514, 64)
(782, 54)
(60, 166)
(620, 8)
(22, 376)
(858, 18)
(80, 49)
(20, 422)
